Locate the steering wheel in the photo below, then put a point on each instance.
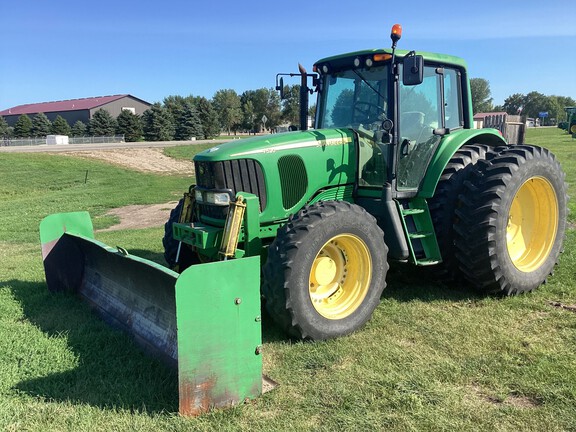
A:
(367, 112)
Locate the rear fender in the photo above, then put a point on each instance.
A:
(450, 144)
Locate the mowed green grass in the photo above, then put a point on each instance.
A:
(432, 357)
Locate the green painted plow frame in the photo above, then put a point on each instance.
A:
(204, 321)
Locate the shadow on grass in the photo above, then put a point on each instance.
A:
(407, 282)
(111, 373)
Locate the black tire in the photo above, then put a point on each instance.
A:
(187, 256)
(325, 271)
(512, 221)
(444, 203)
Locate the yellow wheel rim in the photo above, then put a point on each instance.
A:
(573, 129)
(532, 224)
(340, 276)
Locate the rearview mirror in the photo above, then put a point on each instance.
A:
(413, 70)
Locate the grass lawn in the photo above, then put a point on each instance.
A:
(432, 357)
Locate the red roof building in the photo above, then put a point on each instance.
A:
(77, 109)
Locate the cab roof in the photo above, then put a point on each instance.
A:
(431, 57)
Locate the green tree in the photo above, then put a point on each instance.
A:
(175, 105)
(229, 109)
(481, 95)
(4, 128)
(564, 102)
(129, 125)
(23, 127)
(41, 126)
(273, 109)
(102, 124)
(534, 103)
(342, 112)
(514, 104)
(78, 129)
(248, 115)
(291, 105)
(178, 105)
(262, 102)
(157, 123)
(188, 124)
(208, 118)
(61, 126)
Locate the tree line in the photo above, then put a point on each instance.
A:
(181, 118)
(529, 105)
(176, 118)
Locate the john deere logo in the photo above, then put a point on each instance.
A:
(201, 169)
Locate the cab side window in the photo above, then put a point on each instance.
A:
(452, 99)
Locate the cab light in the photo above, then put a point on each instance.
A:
(198, 195)
(382, 57)
(396, 32)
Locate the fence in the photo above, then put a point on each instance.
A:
(72, 140)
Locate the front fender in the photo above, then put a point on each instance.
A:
(450, 144)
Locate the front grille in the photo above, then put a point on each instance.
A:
(244, 175)
(212, 211)
(293, 179)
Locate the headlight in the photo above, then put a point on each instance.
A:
(218, 198)
(208, 197)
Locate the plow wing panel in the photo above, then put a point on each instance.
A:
(205, 321)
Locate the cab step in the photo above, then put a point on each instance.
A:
(419, 231)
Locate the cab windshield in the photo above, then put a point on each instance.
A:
(355, 98)
(358, 99)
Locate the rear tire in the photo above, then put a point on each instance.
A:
(325, 271)
(445, 202)
(512, 222)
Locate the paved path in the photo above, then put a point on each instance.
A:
(91, 147)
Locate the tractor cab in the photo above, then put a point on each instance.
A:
(400, 105)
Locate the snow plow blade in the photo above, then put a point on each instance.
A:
(205, 321)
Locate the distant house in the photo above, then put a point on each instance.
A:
(77, 109)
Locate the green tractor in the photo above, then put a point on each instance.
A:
(392, 171)
(571, 120)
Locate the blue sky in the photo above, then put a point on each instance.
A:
(151, 49)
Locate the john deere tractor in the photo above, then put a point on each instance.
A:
(392, 171)
(571, 122)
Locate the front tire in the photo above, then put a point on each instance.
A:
(325, 271)
(513, 220)
(187, 256)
